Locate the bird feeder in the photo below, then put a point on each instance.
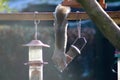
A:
(36, 59)
(35, 56)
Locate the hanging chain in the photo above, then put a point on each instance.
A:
(36, 22)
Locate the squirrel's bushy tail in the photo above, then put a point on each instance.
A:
(61, 13)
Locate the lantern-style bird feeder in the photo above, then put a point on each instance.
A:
(36, 59)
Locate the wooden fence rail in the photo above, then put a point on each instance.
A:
(115, 15)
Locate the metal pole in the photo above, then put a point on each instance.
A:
(117, 54)
(118, 65)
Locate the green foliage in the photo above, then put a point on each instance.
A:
(4, 6)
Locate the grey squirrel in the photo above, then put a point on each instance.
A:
(60, 25)
(60, 58)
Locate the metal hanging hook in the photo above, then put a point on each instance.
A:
(78, 24)
(80, 40)
(36, 22)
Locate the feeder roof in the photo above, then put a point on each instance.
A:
(36, 43)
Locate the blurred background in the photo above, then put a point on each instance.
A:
(96, 61)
